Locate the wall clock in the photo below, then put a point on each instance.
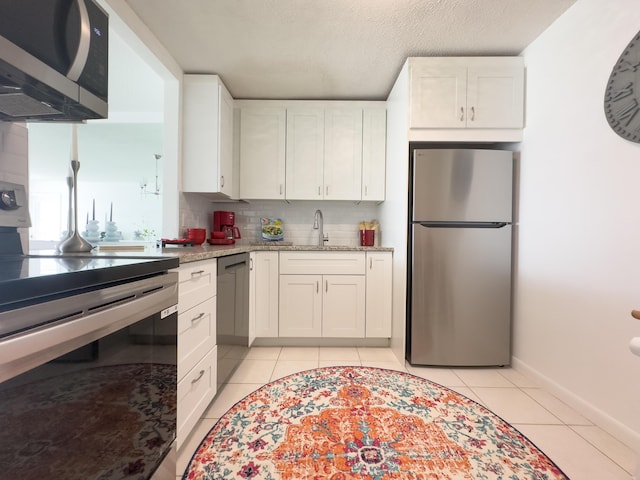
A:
(622, 96)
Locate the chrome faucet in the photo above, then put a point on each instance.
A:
(318, 224)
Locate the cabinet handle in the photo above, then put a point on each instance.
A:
(251, 264)
(326, 190)
(222, 181)
(326, 285)
(197, 379)
(635, 314)
(461, 114)
(473, 113)
(319, 190)
(370, 263)
(198, 317)
(317, 286)
(280, 189)
(199, 272)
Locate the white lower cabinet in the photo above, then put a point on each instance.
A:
(265, 301)
(322, 294)
(300, 306)
(379, 288)
(343, 306)
(322, 306)
(195, 392)
(196, 343)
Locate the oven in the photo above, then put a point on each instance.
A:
(88, 365)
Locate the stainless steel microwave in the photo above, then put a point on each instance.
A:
(53, 60)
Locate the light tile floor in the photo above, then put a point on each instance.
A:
(582, 450)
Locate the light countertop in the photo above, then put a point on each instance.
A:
(205, 251)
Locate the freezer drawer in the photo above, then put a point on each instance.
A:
(460, 306)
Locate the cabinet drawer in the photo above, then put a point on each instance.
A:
(197, 282)
(196, 334)
(321, 263)
(195, 392)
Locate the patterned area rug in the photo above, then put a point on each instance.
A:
(341, 423)
(103, 423)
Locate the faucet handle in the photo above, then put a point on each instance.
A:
(325, 238)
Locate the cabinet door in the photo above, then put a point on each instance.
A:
(438, 96)
(207, 136)
(305, 153)
(226, 142)
(266, 294)
(197, 283)
(195, 392)
(495, 95)
(374, 153)
(342, 154)
(252, 297)
(200, 128)
(196, 334)
(262, 152)
(300, 305)
(343, 306)
(378, 294)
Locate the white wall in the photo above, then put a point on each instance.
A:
(394, 211)
(578, 267)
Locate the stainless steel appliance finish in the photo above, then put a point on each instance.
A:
(232, 313)
(459, 307)
(33, 334)
(68, 322)
(79, 335)
(53, 60)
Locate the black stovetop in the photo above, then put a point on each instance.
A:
(26, 279)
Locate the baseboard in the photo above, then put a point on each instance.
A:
(321, 342)
(600, 418)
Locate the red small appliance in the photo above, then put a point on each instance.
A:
(224, 222)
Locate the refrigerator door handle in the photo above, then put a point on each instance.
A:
(463, 224)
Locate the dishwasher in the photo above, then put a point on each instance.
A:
(232, 312)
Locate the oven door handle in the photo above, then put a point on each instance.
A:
(31, 348)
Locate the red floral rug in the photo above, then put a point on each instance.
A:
(343, 423)
(107, 423)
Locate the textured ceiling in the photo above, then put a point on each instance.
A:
(335, 49)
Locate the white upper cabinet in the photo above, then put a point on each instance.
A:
(262, 152)
(495, 95)
(466, 93)
(342, 154)
(312, 150)
(438, 95)
(374, 153)
(207, 136)
(305, 153)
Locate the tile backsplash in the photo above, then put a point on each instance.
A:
(340, 218)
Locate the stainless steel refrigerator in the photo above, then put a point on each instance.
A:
(460, 243)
